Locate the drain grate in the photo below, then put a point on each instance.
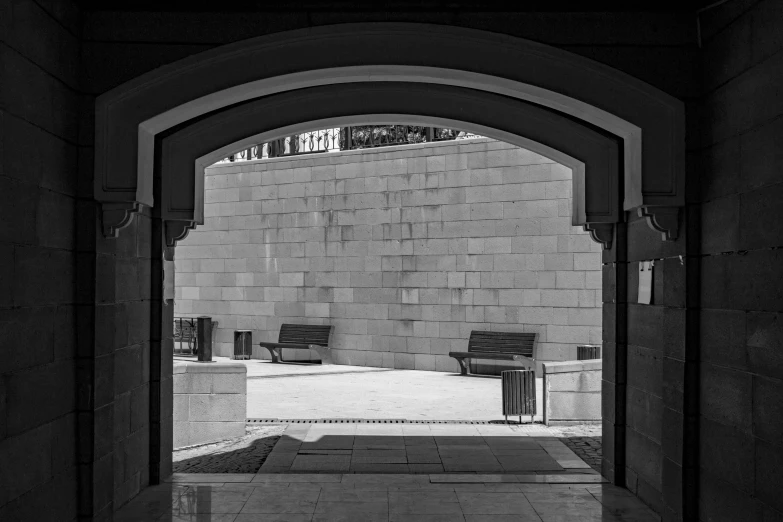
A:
(364, 421)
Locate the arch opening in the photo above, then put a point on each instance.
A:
(318, 297)
(656, 191)
(649, 122)
(593, 155)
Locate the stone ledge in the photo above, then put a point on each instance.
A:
(210, 367)
(572, 366)
(572, 391)
(210, 401)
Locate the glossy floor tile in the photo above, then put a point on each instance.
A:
(409, 498)
(405, 473)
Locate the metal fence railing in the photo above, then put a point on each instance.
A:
(347, 138)
(186, 335)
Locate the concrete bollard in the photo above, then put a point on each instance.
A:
(204, 338)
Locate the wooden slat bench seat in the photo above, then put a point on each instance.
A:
(498, 346)
(301, 337)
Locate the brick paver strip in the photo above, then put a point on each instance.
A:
(244, 455)
(589, 449)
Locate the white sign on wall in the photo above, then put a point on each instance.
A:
(645, 282)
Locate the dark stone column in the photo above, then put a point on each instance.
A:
(614, 356)
(161, 362)
(161, 405)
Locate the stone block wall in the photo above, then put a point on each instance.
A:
(740, 196)
(404, 250)
(571, 392)
(210, 402)
(39, 99)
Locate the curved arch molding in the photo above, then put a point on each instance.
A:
(592, 154)
(649, 122)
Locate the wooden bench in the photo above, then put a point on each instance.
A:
(301, 337)
(498, 346)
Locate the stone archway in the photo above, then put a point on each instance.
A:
(183, 152)
(134, 121)
(594, 155)
(649, 122)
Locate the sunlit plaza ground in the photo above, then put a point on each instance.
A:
(302, 391)
(306, 391)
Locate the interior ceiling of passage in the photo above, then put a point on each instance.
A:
(387, 6)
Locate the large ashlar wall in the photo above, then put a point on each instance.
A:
(404, 250)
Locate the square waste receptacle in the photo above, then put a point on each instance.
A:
(519, 393)
(586, 352)
(243, 344)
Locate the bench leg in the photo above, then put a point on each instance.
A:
(276, 356)
(463, 366)
(324, 353)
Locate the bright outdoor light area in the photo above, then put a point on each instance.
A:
(428, 260)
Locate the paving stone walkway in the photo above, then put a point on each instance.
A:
(364, 471)
(400, 473)
(248, 453)
(589, 449)
(420, 448)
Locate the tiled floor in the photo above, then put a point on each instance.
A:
(482, 473)
(419, 448)
(409, 498)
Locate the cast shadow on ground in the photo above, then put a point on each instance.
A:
(246, 459)
(394, 454)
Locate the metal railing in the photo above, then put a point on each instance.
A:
(186, 334)
(347, 138)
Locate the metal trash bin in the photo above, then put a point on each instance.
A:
(243, 344)
(519, 393)
(585, 352)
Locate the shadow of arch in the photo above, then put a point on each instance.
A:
(247, 459)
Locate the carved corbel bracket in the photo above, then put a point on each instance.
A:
(601, 233)
(177, 231)
(116, 216)
(663, 219)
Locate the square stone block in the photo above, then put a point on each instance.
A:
(201, 432)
